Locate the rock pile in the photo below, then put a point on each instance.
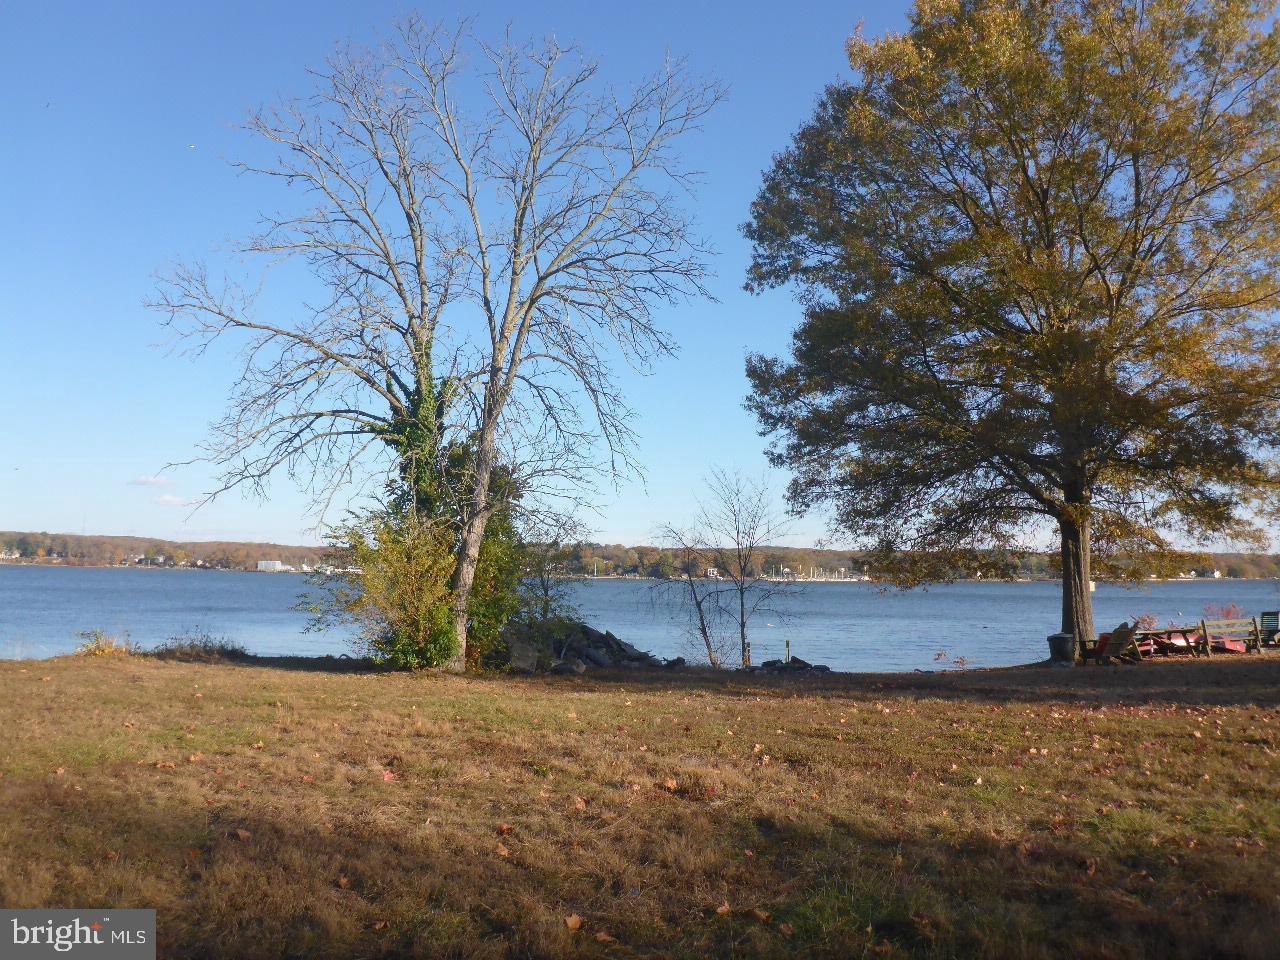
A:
(794, 665)
(577, 647)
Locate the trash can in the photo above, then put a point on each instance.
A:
(1062, 649)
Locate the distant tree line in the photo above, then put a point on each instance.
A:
(74, 549)
(583, 559)
(596, 559)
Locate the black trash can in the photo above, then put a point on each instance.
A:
(1062, 649)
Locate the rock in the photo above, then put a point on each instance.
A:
(675, 664)
(794, 665)
(598, 657)
(523, 654)
(565, 667)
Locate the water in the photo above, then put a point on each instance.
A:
(850, 626)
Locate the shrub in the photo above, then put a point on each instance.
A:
(200, 648)
(99, 644)
(393, 585)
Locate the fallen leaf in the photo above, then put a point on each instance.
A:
(505, 829)
(388, 776)
(603, 937)
(195, 758)
(242, 834)
(580, 803)
(573, 922)
(259, 745)
(671, 785)
(764, 916)
(724, 909)
(344, 883)
(307, 778)
(503, 851)
(380, 924)
(60, 771)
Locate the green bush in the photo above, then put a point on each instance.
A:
(393, 585)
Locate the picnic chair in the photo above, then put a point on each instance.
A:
(1269, 624)
(1119, 644)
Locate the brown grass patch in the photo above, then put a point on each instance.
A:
(270, 812)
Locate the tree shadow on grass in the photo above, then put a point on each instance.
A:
(1245, 680)
(246, 883)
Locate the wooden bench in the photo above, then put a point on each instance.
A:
(1245, 629)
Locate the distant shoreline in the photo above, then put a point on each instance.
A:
(74, 565)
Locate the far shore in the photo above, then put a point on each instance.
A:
(74, 565)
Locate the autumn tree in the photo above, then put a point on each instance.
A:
(1036, 246)
(487, 226)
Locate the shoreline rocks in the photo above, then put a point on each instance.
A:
(794, 665)
(568, 647)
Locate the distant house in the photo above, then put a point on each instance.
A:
(272, 566)
(713, 573)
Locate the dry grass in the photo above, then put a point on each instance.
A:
(273, 812)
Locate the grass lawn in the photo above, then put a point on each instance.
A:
(1129, 811)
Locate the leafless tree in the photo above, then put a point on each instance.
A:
(722, 573)
(487, 224)
(738, 516)
(691, 586)
(549, 542)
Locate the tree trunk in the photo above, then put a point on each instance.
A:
(464, 573)
(1077, 603)
(742, 625)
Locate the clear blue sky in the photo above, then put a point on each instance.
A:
(118, 124)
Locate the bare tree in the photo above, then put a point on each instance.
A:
(486, 224)
(549, 543)
(691, 585)
(722, 569)
(739, 517)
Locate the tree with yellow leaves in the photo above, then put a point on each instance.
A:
(1036, 243)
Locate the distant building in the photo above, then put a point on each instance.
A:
(272, 566)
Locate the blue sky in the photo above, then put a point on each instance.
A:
(119, 124)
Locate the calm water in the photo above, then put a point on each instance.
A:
(850, 626)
